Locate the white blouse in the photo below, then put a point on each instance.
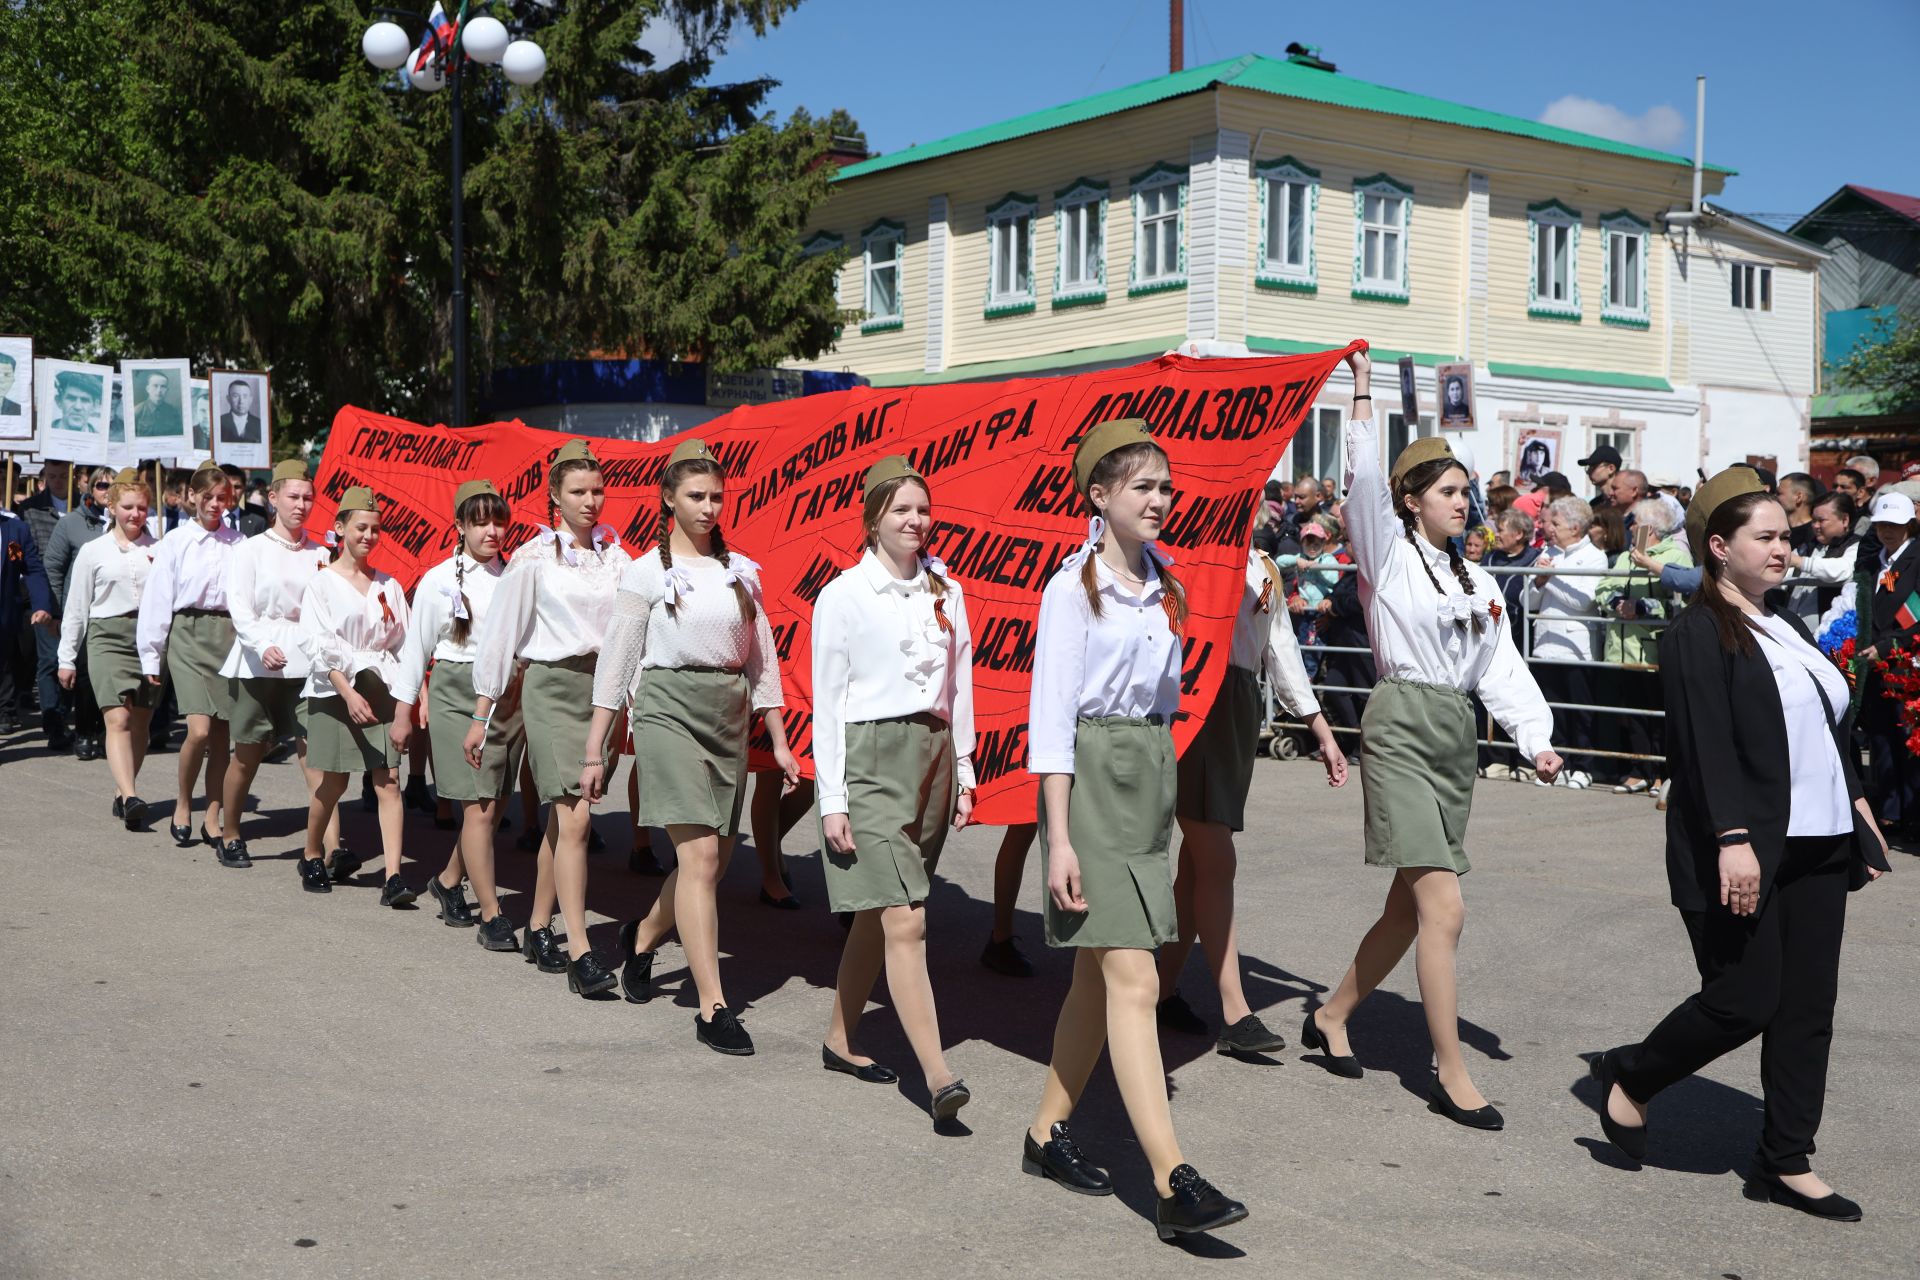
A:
(548, 606)
(1416, 632)
(266, 578)
(880, 653)
(1126, 662)
(106, 581)
(703, 629)
(436, 602)
(1263, 637)
(189, 572)
(1563, 604)
(1818, 805)
(342, 630)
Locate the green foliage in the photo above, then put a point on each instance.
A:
(1886, 364)
(230, 180)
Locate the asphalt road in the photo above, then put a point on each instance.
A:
(207, 1073)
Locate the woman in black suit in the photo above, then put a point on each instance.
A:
(1762, 817)
(1886, 576)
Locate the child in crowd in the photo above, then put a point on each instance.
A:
(1314, 586)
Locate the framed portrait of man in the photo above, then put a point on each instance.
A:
(241, 435)
(1454, 391)
(156, 407)
(200, 417)
(16, 392)
(74, 402)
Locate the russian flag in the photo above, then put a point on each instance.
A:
(437, 38)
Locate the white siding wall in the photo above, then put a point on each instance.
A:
(1742, 422)
(1766, 350)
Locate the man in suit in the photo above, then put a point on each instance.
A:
(8, 372)
(20, 571)
(1886, 578)
(155, 415)
(240, 424)
(248, 519)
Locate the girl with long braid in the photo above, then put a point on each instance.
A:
(1439, 636)
(450, 603)
(689, 626)
(550, 614)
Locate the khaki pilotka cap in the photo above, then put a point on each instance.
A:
(1103, 439)
(575, 451)
(291, 469)
(1426, 449)
(358, 498)
(472, 489)
(1727, 485)
(894, 466)
(129, 475)
(690, 449)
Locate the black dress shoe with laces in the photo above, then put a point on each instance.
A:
(497, 934)
(454, 909)
(345, 863)
(415, 795)
(1631, 1139)
(1175, 1014)
(87, 749)
(183, 837)
(397, 893)
(133, 812)
(723, 1033)
(313, 875)
(1249, 1036)
(1059, 1159)
(233, 853)
(540, 947)
(1833, 1206)
(1314, 1039)
(636, 968)
(948, 1099)
(588, 977)
(871, 1072)
(1003, 957)
(1441, 1103)
(1195, 1205)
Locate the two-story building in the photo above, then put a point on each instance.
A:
(1276, 206)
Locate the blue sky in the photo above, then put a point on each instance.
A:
(1799, 99)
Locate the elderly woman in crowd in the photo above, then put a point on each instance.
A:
(1637, 608)
(1563, 626)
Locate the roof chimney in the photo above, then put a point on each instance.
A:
(1176, 36)
(1308, 55)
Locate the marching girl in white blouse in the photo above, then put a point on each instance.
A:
(103, 598)
(1439, 635)
(690, 624)
(549, 615)
(892, 752)
(184, 625)
(450, 604)
(353, 629)
(1106, 685)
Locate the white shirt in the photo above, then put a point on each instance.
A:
(435, 597)
(266, 579)
(704, 628)
(1126, 662)
(549, 605)
(1826, 570)
(1263, 637)
(1818, 805)
(1562, 602)
(1421, 634)
(106, 581)
(189, 572)
(879, 653)
(342, 630)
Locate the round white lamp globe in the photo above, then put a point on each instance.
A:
(524, 62)
(385, 45)
(432, 80)
(485, 39)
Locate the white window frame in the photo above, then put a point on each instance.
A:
(1624, 439)
(1423, 426)
(1091, 197)
(1750, 279)
(883, 237)
(1383, 288)
(1327, 420)
(1616, 227)
(1154, 179)
(1298, 182)
(826, 242)
(1003, 236)
(1546, 221)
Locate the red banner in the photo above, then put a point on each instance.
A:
(998, 459)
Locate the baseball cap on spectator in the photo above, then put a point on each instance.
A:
(1314, 530)
(1911, 470)
(1605, 453)
(1529, 504)
(1555, 481)
(1893, 508)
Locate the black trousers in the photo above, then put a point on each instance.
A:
(1774, 974)
(1635, 734)
(1571, 729)
(1893, 775)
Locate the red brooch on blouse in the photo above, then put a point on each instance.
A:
(1493, 607)
(940, 616)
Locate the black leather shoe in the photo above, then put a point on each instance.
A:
(397, 893)
(415, 795)
(1059, 1160)
(369, 803)
(872, 1072)
(540, 947)
(497, 934)
(119, 807)
(87, 749)
(234, 854)
(1834, 1207)
(529, 841)
(313, 876)
(1175, 1014)
(1249, 1035)
(1004, 957)
(642, 862)
(788, 903)
(183, 837)
(587, 976)
(345, 863)
(209, 839)
(596, 843)
(948, 1100)
(723, 1033)
(1312, 1038)
(1631, 1139)
(134, 813)
(453, 904)
(1441, 1103)
(1195, 1205)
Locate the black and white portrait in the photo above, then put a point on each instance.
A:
(16, 389)
(1455, 394)
(240, 415)
(74, 401)
(156, 408)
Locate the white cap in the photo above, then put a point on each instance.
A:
(1893, 508)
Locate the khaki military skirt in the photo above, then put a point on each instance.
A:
(690, 746)
(1217, 770)
(1119, 819)
(901, 792)
(336, 744)
(1417, 761)
(265, 708)
(449, 712)
(196, 646)
(113, 664)
(556, 706)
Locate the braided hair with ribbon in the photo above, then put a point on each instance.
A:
(677, 474)
(1417, 480)
(1113, 470)
(480, 509)
(873, 507)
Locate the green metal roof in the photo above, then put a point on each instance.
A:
(1263, 75)
(1381, 356)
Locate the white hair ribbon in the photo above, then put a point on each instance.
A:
(679, 583)
(1096, 527)
(459, 601)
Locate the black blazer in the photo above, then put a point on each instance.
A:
(1878, 623)
(1727, 760)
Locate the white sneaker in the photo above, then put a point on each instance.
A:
(1578, 780)
(1539, 781)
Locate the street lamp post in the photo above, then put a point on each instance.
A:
(484, 39)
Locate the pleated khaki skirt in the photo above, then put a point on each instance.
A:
(265, 708)
(336, 744)
(196, 647)
(1217, 771)
(901, 792)
(113, 664)
(690, 746)
(1119, 819)
(1417, 761)
(449, 712)
(556, 706)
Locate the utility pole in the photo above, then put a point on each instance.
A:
(1176, 36)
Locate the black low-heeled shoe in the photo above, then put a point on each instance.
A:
(1195, 1205)
(948, 1100)
(871, 1072)
(234, 854)
(397, 893)
(642, 862)
(636, 967)
(497, 934)
(182, 833)
(723, 1033)
(313, 876)
(541, 948)
(1631, 1139)
(588, 977)
(788, 903)
(209, 839)
(1312, 1037)
(454, 911)
(1059, 1159)
(133, 813)
(1441, 1103)
(1833, 1206)
(345, 863)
